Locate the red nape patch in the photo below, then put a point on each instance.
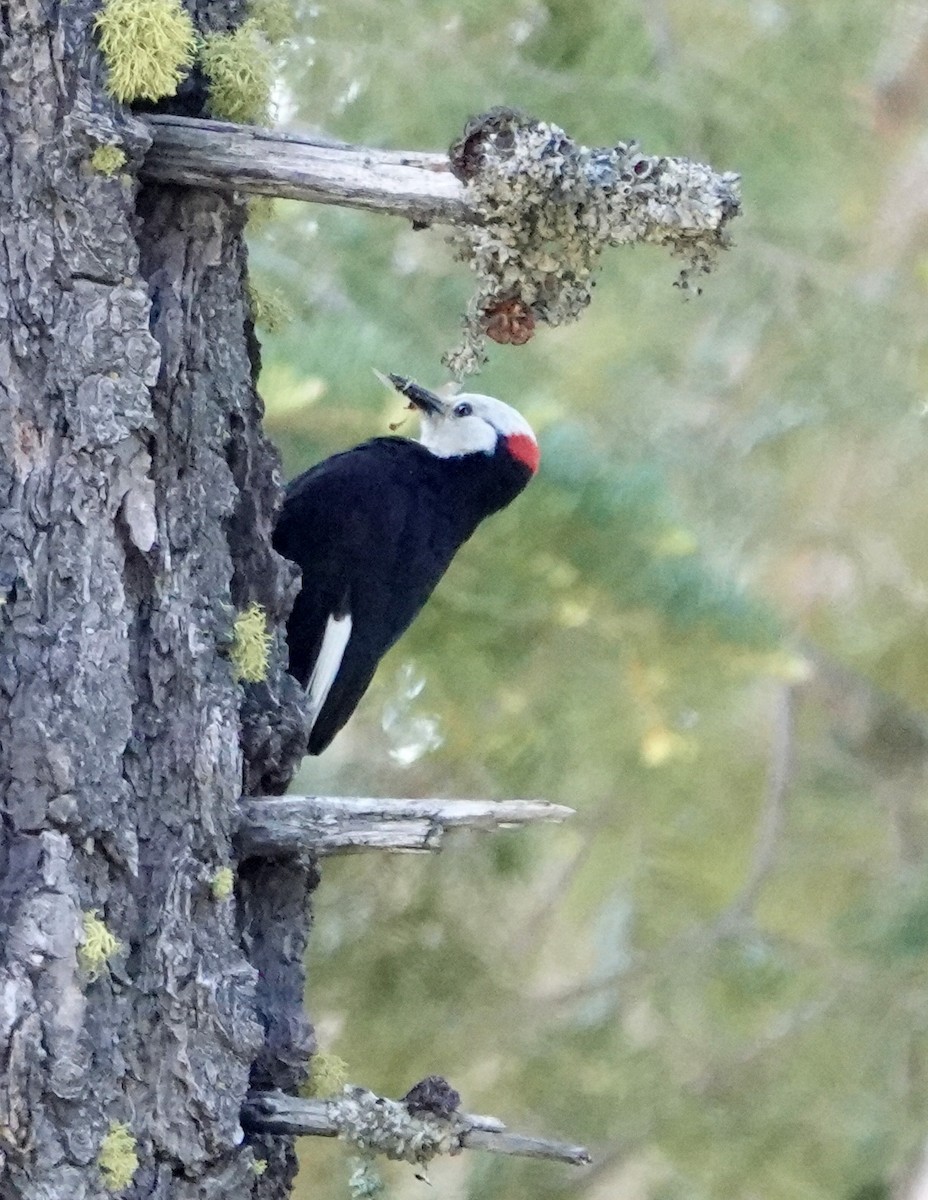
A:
(524, 449)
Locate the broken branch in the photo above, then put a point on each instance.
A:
(380, 1125)
(302, 166)
(275, 826)
(532, 209)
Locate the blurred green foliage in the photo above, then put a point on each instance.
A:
(703, 626)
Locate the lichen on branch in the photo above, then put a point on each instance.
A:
(328, 1075)
(548, 207)
(377, 1125)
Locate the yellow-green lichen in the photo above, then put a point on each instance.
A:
(250, 645)
(277, 18)
(149, 46)
(328, 1075)
(260, 212)
(269, 309)
(98, 946)
(106, 160)
(238, 66)
(259, 1166)
(222, 883)
(117, 1158)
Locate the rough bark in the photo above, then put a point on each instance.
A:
(136, 498)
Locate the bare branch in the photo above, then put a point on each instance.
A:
(384, 1126)
(300, 166)
(504, 1142)
(274, 826)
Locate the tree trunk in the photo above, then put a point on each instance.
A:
(136, 500)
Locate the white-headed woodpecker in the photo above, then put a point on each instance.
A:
(374, 529)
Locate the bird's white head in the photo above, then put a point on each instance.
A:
(469, 424)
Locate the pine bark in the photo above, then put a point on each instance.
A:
(137, 495)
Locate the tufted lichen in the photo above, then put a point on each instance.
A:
(364, 1180)
(98, 946)
(548, 207)
(376, 1125)
(238, 66)
(328, 1075)
(250, 645)
(269, 308)
(148, 45)
(222, 883)
(117, 1158)
(107, 160)
(260, 212)
(277, 18)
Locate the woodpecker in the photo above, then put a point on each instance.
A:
(374, 528)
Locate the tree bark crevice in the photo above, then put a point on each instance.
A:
(137, 493)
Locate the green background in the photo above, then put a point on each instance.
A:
(703, 626)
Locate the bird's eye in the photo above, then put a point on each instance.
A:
(462, 410)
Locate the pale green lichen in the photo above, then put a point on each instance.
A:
(107, 160)
(269, 308)
(117, 1158)
(328, 1075)
(97, 947)
(260, 212)
(222, 883)
(250, 645)
(364, 1180)
(376, 1125)
(149, 45)
(277, 18)
(238, 66)
(549, 206)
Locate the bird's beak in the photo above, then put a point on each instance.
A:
(421, 397)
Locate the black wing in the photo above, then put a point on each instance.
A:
(373, 531)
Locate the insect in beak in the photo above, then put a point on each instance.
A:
(418, 396)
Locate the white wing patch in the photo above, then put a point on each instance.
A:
(331, 653)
